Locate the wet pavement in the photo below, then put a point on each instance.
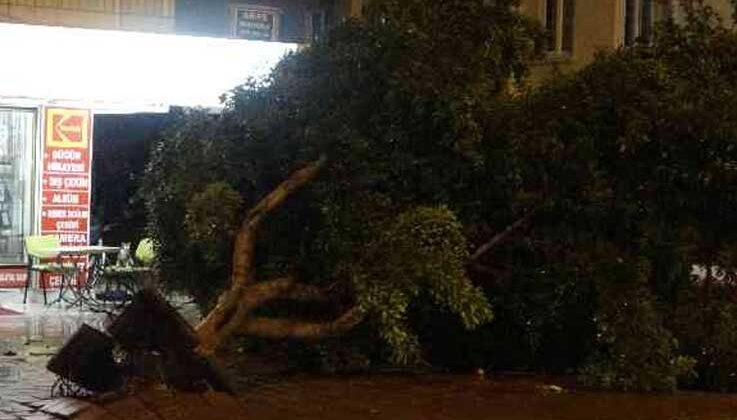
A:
(469, 397)
(30, 334)
(153, 404)
(28, 339)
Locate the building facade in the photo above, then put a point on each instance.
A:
(577, 29)
(136, 15)
(269, 20)
(299, 21)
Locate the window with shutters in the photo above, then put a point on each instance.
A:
(560, 21)
(641, 17)
(321, 23)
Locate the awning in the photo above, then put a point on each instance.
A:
(125, 72)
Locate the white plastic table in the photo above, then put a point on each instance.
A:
(86, 250)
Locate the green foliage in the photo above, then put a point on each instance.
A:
(397, 103)
(179, 167)
(631, 164)
(705, 321)
(632, 160)
(480, 43)
(212, 218)
(635, 350)
(544, 312)
(421, 254)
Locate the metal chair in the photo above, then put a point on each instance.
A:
(43, 257)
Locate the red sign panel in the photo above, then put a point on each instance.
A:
(65, 178)
(13, 277)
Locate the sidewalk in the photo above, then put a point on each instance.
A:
(152, 404)
(29, 335)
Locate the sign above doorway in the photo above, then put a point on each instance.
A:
(126, 72)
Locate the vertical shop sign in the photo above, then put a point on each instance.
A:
(65, 177)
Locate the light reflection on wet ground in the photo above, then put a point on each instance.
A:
(28, 340)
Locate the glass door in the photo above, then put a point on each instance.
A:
(17, 134)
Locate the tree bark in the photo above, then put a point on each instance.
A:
(502, 236)
(258, 294)
(281, 328)
(244, 294)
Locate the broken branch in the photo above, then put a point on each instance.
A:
(502, 236)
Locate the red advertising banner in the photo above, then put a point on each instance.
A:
(66, 179)
(13, 277)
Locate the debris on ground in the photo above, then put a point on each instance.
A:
(149, 348)
(551, 389)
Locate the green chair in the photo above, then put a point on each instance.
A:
(41, 249)
(146, 256)
(145, 252)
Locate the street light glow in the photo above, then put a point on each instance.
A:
(117, 71)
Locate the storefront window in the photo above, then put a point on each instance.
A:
(16, 169)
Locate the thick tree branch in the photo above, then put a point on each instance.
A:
(208, 328)
(502, 236)
(258, 294)
(286, 328)
(245, 240)
(305, 293)
(252, 297)
(211, 339)
(217, 327)
(243, 249)
(280, 194)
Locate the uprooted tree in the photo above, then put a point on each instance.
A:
(386, 167)
(429, 238)
(359, 161)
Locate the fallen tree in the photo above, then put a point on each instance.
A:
(232, 313)
(605, 187)
(358, 160)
